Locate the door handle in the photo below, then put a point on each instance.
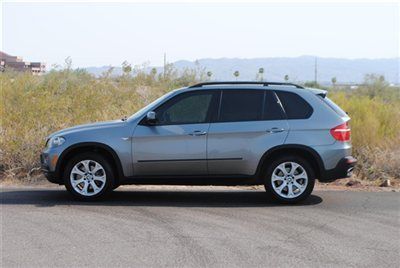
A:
(275, 130)
(198, 133)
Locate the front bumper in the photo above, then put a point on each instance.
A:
(343, 169)
(44, 163)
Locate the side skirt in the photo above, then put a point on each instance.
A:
(193, 180)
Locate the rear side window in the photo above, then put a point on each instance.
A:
(295, 106)
(241, 105)
(272, 107)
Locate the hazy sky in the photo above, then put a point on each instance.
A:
(101, 34)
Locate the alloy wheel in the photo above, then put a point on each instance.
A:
(88, 177)
(289, 180)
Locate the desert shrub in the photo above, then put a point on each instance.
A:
(32, 107)
(375, 123)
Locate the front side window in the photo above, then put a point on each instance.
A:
(241, 105)
(188, 108)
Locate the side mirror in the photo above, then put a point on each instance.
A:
(151, 118)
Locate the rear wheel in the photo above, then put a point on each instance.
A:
(89, 176)
(289, 179)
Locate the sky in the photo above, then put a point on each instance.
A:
(98, 34)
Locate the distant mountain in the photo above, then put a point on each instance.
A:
(298, 69)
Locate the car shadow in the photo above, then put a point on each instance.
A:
(159, 198)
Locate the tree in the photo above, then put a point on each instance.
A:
(68, 63)
(312, 84)
(334, 80)
(261, 73)
(286, 77)
(236, 74)
(209, 74)
(126, 68)
(374, 85)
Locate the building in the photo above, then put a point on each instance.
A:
(17, 64)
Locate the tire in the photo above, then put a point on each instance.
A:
(89, 176)
(289, 179)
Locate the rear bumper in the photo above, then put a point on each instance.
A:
(343, 169)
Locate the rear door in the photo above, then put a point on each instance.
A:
(248, 123)
(176, 145)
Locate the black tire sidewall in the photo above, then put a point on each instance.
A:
(109, 184)
(307, 167)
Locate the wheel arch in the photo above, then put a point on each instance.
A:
(96, 147)
(306, 152)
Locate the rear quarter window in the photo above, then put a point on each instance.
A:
(295, 106)
(334, 106)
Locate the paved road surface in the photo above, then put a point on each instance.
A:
(45, 228)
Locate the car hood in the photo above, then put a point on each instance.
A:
(85, 127)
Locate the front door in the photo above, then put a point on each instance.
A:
(177, 143)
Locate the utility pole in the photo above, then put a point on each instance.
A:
(315, 71)
(165, 63)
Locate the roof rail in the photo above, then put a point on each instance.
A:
(265, 84)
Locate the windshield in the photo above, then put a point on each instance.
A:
(154, 103)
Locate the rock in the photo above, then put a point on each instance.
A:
(385, 183)
(353, 183)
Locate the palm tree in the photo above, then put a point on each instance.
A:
(334, 80)
(261, 74)
(126, 68)
(236, 74)
(286, 77)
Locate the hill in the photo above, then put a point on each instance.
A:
(299, 69)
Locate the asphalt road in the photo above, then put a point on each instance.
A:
(136, 228)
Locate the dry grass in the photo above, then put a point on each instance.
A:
(32, 107)
(375, 124)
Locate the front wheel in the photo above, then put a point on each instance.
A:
(289, 179)
(89, 176)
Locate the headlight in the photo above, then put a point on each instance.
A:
(55, 141)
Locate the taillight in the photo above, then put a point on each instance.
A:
(341, 132)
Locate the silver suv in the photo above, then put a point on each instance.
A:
(280, 135)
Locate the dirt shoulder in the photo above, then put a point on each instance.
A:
(351, 184)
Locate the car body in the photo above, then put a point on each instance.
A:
(221, 133)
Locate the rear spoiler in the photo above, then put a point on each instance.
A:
(319, 92)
